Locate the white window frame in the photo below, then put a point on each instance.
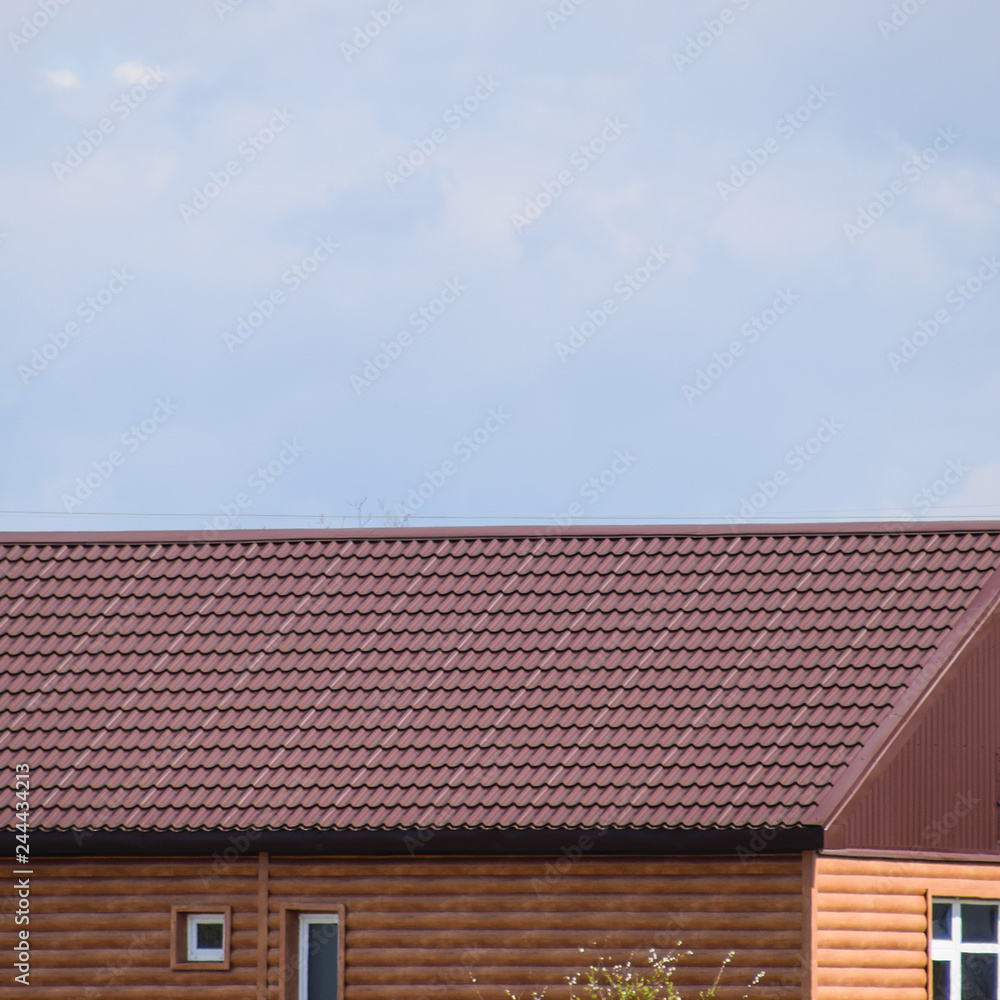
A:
(951, 950)
(307, 920)
(196, 954)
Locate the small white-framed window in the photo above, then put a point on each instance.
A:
(319, 956)
(965, 949)
(206, 937)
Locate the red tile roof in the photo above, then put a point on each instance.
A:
(643, 677)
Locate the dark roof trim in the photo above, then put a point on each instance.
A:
(878, 854)
(919, 695)
(231, 844)
(495, 531)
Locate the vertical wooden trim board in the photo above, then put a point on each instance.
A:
(262, 907)
(808, 924)
(930, 937)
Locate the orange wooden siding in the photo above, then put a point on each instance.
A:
(418, 929)
(871, 922)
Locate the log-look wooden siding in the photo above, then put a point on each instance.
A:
(421, 928)
(871, 922)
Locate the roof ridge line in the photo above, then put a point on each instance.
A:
(473, 532)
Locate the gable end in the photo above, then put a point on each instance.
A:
(939, 791)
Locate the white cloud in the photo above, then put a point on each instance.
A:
(131, 72)
(63, 79)
(965, 196)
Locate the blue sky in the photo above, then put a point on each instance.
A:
(487, 262)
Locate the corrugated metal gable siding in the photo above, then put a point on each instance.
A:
(940, 791)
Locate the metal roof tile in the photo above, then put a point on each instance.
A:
(662, 677)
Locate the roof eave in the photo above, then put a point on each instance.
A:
(746, 842)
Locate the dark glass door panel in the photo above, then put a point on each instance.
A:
(322, 962)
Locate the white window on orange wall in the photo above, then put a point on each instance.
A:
(965, 949)
(206, 937)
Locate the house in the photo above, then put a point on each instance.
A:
(436, 764)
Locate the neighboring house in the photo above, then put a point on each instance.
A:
(402, 764)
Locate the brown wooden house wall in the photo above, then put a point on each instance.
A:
(939, 792)
(870, 939)
(417, 928)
